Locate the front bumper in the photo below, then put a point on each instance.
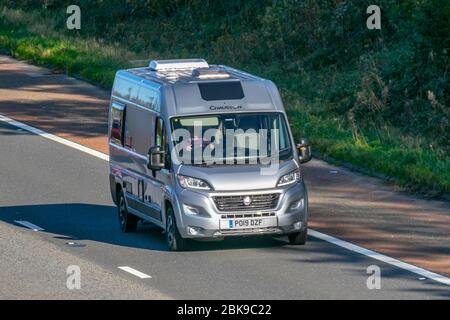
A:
(198, 216)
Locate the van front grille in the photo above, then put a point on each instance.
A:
(248, 215)
(254, 202)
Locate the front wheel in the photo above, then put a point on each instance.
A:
(298, 238)
(175, 242)
(127, 221)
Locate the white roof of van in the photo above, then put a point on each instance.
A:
(181, 81)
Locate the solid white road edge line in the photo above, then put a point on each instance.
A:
(380, 257)
(52, 137)
(29, 225)
(135, 272)
(341, 243)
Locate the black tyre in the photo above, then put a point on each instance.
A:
(298, 238)
(175, 242)
(127, 221)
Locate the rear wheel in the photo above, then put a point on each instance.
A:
(298, 238)
(127, 221)
(174, 240)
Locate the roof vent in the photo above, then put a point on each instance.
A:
(210, 73)
(167, 65)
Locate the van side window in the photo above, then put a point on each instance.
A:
(117, 123)
(125, 89)
(149, 98)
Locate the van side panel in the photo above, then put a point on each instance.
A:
(139, 129)
(128, 159)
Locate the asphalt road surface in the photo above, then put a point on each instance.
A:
(65, 192)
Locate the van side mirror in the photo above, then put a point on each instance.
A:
(304, 150)
(155, 158)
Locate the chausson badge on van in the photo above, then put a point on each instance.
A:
(225, 107)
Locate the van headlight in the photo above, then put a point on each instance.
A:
(289, 178)
(193, 183)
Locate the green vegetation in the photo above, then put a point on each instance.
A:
(378, 99)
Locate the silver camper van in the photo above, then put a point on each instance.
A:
(204, 152)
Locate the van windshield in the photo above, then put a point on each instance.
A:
(231, 139)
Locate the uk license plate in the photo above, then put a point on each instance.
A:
(248, 223)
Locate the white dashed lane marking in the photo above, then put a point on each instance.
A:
(135, 272)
